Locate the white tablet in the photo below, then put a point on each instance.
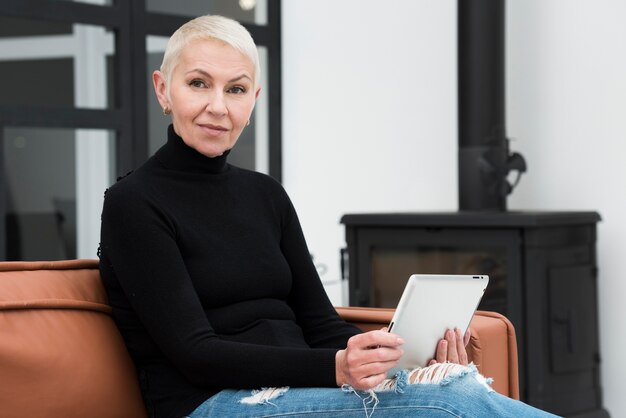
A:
(429, 305)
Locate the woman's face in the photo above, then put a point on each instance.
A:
(211, 95)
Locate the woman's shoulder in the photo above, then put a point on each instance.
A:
(257, 178)
(128, 188)
(265, 187)
(124, 183)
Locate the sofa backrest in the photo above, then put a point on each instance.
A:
(61, 354)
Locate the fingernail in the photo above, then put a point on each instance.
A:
(400, 341)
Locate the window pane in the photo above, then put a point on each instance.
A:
(17, 26)
(157, 122)
(21, 82)
(55, 180)
(249, 11)
(61, 70)
(252, 149)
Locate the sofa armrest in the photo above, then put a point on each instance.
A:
(61, 354)
(492, 347)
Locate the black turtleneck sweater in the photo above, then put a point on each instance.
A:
(211, 282)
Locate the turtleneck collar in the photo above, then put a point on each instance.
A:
(176, 155)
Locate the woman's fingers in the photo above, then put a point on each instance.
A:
(451, 348)
(441, 356)
(460, 347)
(374, 339)
(367, 358)
(453, 354)
(466, 337)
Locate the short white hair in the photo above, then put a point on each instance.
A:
(210, 27)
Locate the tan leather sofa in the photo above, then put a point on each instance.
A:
(62, 356)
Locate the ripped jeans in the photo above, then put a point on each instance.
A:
(457, 391)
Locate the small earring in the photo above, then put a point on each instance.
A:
(166, 111)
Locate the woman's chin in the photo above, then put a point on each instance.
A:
(213, 152)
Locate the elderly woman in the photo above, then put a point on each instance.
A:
(211, 281)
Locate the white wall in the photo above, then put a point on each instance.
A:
(370, 123)
(369, 113)
(567, 108)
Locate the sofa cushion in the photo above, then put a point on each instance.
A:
(60, 352)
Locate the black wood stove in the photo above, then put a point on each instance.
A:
(543, 275)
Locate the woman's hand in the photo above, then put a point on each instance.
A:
(364, 363)
(452, 348)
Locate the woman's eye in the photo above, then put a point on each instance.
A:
(237, 90)
(196, 83)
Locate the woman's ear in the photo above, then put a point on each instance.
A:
(256, 96)
(160, 88)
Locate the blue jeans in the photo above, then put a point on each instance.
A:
(462, 395)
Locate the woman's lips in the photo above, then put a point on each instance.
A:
(213, 130)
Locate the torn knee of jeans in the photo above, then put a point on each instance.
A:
(444, 373)
(264, 396)
(395, 384)
(436, 374)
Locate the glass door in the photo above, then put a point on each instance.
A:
(54, 176)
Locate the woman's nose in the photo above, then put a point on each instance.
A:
(216, 103)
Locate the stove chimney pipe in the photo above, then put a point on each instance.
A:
(484, 159)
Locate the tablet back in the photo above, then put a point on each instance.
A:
(431, 304)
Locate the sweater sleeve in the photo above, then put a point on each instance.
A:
(139, 249)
